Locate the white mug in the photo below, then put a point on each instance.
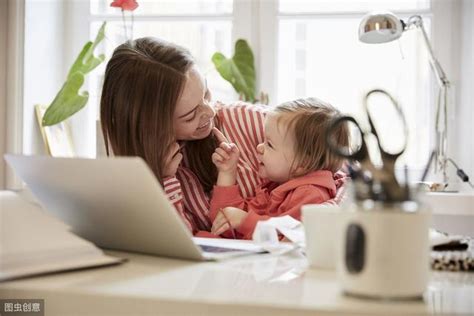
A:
(322, 225)
(384, 250)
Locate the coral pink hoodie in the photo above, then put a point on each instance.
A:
(273, 199)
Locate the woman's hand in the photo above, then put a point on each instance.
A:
(226, 156)
(172, 161)
(228, 217)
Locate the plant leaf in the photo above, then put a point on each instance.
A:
(67, 102)
(86, 61)
(239, 70)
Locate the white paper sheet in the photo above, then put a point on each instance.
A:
(266, 234)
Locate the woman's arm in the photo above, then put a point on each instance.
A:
(189, 199)
(195, 200)
(172, 188)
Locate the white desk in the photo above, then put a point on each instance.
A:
(261, 285)
(245, 286)
(452, 212)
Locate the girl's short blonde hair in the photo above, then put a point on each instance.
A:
(308, 119)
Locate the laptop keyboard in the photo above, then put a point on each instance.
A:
(214, 249)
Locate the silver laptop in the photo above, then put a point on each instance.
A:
(117, 203)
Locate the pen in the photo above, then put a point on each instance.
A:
(407, 185)
(228, 223)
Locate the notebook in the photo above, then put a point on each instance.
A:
(32, 242)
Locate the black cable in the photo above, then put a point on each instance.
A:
(461, 174)
(427, 167)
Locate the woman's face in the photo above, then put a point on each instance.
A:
(193, 116)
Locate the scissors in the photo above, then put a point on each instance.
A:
(384, 175)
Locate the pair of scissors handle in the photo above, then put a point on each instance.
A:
(358, 154)
(384, 175)
(387, 157)
(361, 154)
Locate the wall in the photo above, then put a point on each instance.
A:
(3, 86)
(453, 46)
(465, 92)
(44, 71)
(50, 49)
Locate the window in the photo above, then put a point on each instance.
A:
(319, 54)
(303, 48)
(202, 26)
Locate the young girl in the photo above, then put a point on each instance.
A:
(295, 160)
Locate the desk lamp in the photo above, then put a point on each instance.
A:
(382, 27)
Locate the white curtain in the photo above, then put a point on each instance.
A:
(3, 85)
(11, 85)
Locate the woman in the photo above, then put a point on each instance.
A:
(156, 105)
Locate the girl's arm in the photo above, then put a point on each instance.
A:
(225, 158)
(309, 194)
(243, 124)
(224, 196)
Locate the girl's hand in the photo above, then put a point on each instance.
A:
(172, 161)
(226, 156)
(228, 217)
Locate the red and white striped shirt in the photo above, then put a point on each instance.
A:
(243, 124)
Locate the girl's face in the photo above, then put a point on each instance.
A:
(277, 153)
(193, 116)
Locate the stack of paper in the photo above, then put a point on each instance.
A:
(33, 242)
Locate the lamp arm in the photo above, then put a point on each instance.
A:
(417, 22)
(441, 122)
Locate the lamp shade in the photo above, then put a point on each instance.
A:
(380, 27)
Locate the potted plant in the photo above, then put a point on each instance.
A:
(239, 71)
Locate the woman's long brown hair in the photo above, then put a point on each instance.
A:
(143, 82)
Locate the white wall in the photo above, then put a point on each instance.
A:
(50, 49)
(44, 72)
(3, 86)
(453, 46)
(83, 123)
(465, 91)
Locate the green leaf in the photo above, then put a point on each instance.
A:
(86, 61)
(239, 70)
(67, 102)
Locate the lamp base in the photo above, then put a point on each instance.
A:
(441, 187)
(453, 213)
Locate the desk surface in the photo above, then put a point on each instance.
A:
(244, 286)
